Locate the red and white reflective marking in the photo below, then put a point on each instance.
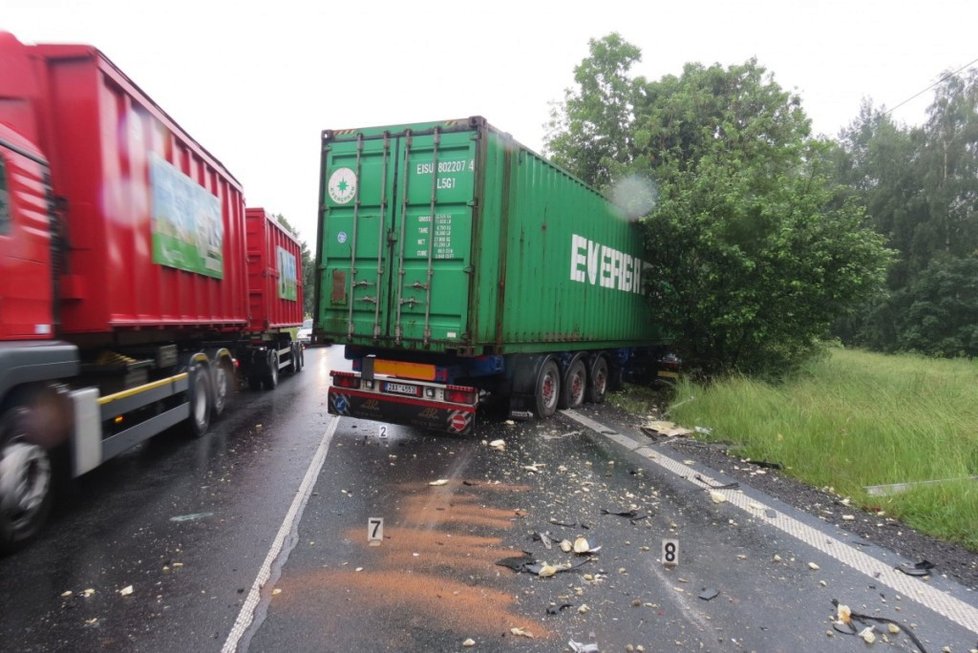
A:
(459, 420)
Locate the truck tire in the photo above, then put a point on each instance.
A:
(573, 386)
(25, 478)
(597, 385)
(546, 392)
(270, 378)
(199, 395)
(223, 386)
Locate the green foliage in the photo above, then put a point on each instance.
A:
(920, 190)
(854, 419)
(753, 252)
(590, 134)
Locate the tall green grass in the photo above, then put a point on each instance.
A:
(854, 419)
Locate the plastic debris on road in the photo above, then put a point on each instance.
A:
(126, 591)
(519, 632)
(717, 497)
(439, 482)
(666, 429)
(709, 593)
(578, 647)
(468, 643)
(498, 445)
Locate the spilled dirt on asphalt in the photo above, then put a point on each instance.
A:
(435, 569)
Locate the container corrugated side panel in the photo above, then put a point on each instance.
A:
(573, 265)
(274, 273)
(111, 147)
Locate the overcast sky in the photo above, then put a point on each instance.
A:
(256, 82)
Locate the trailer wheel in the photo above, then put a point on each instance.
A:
(547, 389)
(270, 379)
(25, 478)
(200, 401)
(597, 386)
(573, 386)
(223, 386)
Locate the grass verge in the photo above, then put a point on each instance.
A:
(855, 419)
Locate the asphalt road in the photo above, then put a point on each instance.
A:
(256, 537)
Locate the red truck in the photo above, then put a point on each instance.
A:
(134, 285)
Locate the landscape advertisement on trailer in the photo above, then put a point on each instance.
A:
(186, 223)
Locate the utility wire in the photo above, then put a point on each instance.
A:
(916, 95)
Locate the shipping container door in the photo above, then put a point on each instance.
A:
(358, 202)
(433, 224)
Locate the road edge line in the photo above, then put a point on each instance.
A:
(938, 601)
(247, 614)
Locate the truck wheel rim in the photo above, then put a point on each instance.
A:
(577, 388)
(200, 407)
(25, 479)
(221, 391)
(549, 394)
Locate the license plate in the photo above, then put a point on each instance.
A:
(402, 389)
(669, 375)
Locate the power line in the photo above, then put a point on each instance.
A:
(918, 94)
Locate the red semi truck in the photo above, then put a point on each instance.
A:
(133, 282)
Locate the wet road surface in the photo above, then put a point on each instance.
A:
(189, 524)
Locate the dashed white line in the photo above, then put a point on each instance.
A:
(247, 614)
(940, 602)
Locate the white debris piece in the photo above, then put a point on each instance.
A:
(843, 613)
(868, 635)
(126, 591)
(468, 643)
(439, 482)
(498, 445)
(581, 545)
(813, 566)
(519, 632)
(717, 497)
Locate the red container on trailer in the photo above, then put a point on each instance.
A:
(153, 223)
(274, 273)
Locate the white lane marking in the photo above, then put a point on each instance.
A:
(247, 614)
(940, 602)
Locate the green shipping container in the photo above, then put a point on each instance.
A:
(452, 237)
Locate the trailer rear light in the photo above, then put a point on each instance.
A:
(460, 394)
(345, 379)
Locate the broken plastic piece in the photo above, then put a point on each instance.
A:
(126, 591)
(578, 647)
(709, 593)
(921, 568)
(764, 463)
(498, 445)
(439, 482)
(519, 632)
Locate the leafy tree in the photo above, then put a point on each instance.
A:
(939, 309)
(752, 254)
(591, 133)
(920, 189)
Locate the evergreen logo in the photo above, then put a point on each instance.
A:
(342, 185)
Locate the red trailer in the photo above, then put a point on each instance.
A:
(274, 296)
(124, 299)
